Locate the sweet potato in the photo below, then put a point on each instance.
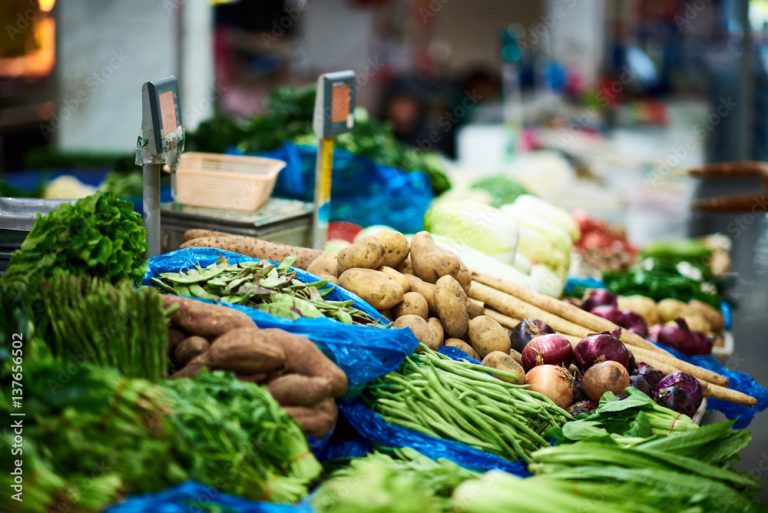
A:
(188, 349)
(317, 421)
(174, 339)
(437, 327)
(422, 287)
(413, 304)
(460, 344)
(504, 362)
(420, 329)
(193, 368)
(203, 319)
(197, 233)
(395, 247)
(257, 248)
(246, 351)
(431, 262)
(367, 253)
(373, 286)
(397, 276)
(298, 390)
(451, 306)
(303, 357)
(487, 335)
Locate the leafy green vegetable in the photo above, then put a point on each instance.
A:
(126, 185)
(406, 483)
(114, 326)
(91, 436)
(99, 235)
(502, 189)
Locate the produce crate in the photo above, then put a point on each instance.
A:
(279, 220)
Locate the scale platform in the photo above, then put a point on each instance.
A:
(279, 220)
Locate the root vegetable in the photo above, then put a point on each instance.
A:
(422, 287)
(413, 304)
(549, 349)
(420, 329)
(190, 348)
(642, 305)
(598, 348)
(714, 317)
(257, 248)
(174, 339)
(608, 376)
(464, 277)
(475, 308)
(516, 355)
(451, 306)
(367, 253)
(193, 368)
(298, 390)
(504, 362)
(670, 309)
(203, 319)
(317, 421)
(397, 276)
(374, 287)
(325, 266)
(487, 335)
(197, 233)
(437, 327)
(431, 262)
(460, 344)
(553, 381)
(395, 247)
(246, 351)
(406, 267)
(303, 357)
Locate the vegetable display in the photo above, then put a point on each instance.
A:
(465, 402)
(262, 285)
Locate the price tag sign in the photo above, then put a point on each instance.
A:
(162, 115)
(334, 104)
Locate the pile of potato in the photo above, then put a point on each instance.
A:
(422, 287)
(303, 380)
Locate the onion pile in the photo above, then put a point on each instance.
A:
(679, 336)
(598, 348)
(552, 349)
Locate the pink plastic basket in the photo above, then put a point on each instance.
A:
(225, 181)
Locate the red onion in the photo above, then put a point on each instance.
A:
(552, 349)
(582, 407)
(527, 330)
(651, 375)
(634, 322)
(610, 313)
(599, 297)
(680, 392)
(605, 377)
(683, 339)
(553, 381)
(599, 348)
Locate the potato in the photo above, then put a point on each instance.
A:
(367, 253)
(644, 306)
(487, 335)
(413, 304)
(303, 357)
(516, 355)
(325, 266)
(464, 277)
(437, 327)
(475, 308)
(246, 351)
(420, 329)
(422, 287)
(298, 390)
(504, 362)
(395, 247)
(398, 276)
(188, 349)
(697, 322)
(670, 309)
(451, 306)
(373, 286)
(460, 344)
(712, 315)
(203, 319)
(431, 262)
(406, 267)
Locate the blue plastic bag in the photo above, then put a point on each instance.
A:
(363, 192)
(192, 497)
(364, 353)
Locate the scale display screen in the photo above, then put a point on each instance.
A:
(162, 97)
(334, 103)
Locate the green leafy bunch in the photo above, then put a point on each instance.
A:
(99, 235)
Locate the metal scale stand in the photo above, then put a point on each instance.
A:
(160, 144)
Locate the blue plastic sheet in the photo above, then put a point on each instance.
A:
(363, 192)
(192, 497)
(372, 426)
(364, 353)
